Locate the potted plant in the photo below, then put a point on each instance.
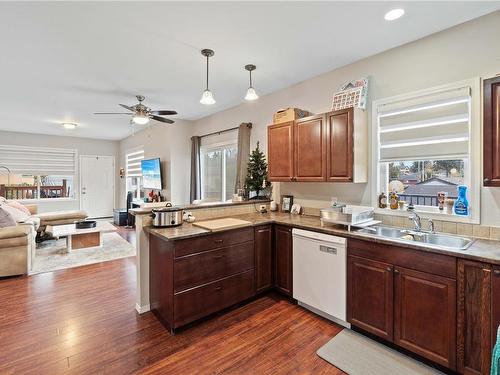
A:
(256, 179)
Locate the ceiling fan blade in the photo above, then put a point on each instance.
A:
(163, 112)
(111, 113)
(162, 119)
(127, 107)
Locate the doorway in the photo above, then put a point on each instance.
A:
(97, 185)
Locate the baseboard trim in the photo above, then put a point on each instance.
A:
(142, 309)
(324, 315)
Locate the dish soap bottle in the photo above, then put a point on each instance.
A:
(393, 200)
(462, 204)
(382, 200)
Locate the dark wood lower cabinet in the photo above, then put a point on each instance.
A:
(473, 324)
(283, 259)
(370, 296)
(425, 315)
(263, 257)
(495, 303)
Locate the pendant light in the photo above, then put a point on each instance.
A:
(207, 97)
(251, 94)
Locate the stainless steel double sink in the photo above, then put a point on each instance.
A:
(438, 241)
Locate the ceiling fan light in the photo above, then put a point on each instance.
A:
(207, 98)
(140, 119)
(69, 125)
(251, 94)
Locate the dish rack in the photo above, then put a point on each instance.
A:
(349, 215)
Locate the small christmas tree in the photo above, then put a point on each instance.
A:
(256, 179)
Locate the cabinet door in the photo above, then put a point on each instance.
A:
(370, 296)
(283, 259)
(280, 152)
(425, 315)
(340, 147)
(310, 149)
(473, 318)
(491, 132)
(263, 257)
(495, 303)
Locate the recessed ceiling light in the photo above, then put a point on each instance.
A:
(69, 125)
(394, 14)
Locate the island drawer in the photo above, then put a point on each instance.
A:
(212, 241)
(209, 298)
(201, 268)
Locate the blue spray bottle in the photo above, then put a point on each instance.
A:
(462, 204)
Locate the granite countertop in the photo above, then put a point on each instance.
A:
(480, 250)
(147, 210)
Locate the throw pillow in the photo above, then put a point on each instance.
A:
(19, 206)
(18, 215)
(6, 219)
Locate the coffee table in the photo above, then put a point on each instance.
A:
(80, 238)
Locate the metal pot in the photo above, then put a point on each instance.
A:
(168, 216)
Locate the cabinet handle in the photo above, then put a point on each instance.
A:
(496, 272)
(218, 256)
(396, 270)
(389, 269)
(486, 180)
(218, 288)
(219, 241)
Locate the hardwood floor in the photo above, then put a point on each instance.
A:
(126, 233)
(82, 321)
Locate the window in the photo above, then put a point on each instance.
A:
(37, 172)
(427, 142)
(134, 173)
(218, 172)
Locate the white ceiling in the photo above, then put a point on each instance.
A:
(62, 61)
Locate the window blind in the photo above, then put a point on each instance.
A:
(133, 163)
(431, 126)
(38, 160)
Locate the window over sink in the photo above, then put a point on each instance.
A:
(427, 142)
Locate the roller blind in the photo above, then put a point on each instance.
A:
(431, 126)
(38, 160)
(133, 163)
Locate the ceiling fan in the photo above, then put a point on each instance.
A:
(142, 114)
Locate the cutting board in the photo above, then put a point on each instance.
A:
(222, 224)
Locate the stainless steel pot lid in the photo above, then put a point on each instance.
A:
(167, 209)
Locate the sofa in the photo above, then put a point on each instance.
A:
(18, 242)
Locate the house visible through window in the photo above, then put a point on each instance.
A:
(424, 144)
(37, 172)
(218, 171)
(133, 172)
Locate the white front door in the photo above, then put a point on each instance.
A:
(97, 185)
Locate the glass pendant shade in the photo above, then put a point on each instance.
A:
(140, 119)
(207, 98)
(251, 94)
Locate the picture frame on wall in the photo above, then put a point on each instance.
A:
(286, 203)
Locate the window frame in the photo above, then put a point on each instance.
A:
(133, 151)
(474, 153)
(212, 147)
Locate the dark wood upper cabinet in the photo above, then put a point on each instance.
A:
(473, 317)
(283, 259)
(263, 257)
(370, 296)
(425, 315)
(340, 150)
(491, 132)
(310, 149)
(280, 152)
(327, 147)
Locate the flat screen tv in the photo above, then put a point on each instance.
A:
(151, 174)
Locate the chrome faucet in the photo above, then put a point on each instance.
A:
(431, 226)
(416, 220)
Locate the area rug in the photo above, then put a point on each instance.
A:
(50, 254)
(356, 354)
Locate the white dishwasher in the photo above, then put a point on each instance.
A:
(319, 274)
